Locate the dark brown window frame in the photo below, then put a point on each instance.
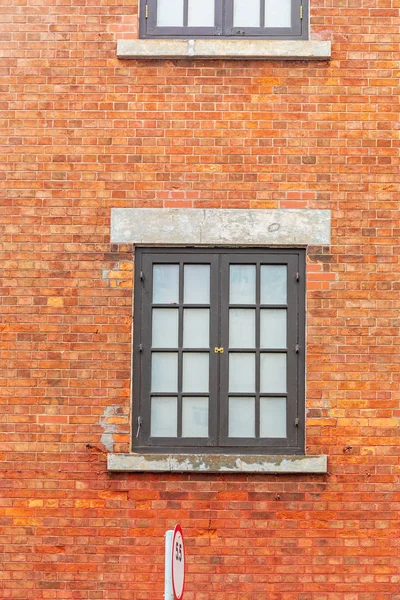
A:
(218, 441)
(224, 24)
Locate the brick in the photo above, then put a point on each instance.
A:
(55, 301)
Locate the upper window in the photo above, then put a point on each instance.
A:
(276, 19)
(219, 350)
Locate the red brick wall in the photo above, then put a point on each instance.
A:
(81, 132)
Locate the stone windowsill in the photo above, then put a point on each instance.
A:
(216, 463)
(228, 49)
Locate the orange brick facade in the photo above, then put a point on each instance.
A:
(82, 132)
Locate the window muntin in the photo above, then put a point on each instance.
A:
(276, 19)
(190, 304)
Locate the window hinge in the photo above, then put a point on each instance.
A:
(218, 350)
(297, 348)
(301, 11)
(147, 11)
(139, 424)
(296, 421)
(141, 276)
(297, 277)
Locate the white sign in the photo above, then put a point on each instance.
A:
(178, 563)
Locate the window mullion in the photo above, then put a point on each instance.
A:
(292, 355)
(221, 8)
(257, 345)
(223, 358)
(142, 374)
(216, 301)
(180, 346)
(227, 16)
(301, 323)
(262, 13)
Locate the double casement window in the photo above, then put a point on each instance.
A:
(276, 19)
(219, 350)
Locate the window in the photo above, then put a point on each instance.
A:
(275, 19)
(219, 350)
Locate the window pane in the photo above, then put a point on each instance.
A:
(273, 373)
(273, 284)
(195, 372)
(242, 328)
(164, 422)
(241, 372)
(165, 328)
(273, 417)
(278, 13)
(246, 13)
(164, 372)
(242, 417)
(196, 284)
(194, 417)
(273, 328)
(242, 284)
(166, 284)
(169, 13)
(196, 328)
(201, 13)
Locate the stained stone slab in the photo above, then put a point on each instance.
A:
(216, 463)
(286, 227)
(227, 49)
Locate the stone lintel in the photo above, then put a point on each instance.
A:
(190, 226)
(226, 49)
(217, 463)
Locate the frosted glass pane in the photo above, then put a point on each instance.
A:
(166, 284)
(196, 284)
(164, 372)
(242, 328)
(278, 13)
(272, 328)
(242, 417)
(273, 284)
(246, 13)
(195, 372)
(273, 417)
(201, 13)
(170, 13)
(194, 417)
(163, 421)
(242, 284)
(196, 328)
(241, 372)
(165, 328)
(273, 373)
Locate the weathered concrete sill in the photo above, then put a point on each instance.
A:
(216, 463)
(227, 49)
